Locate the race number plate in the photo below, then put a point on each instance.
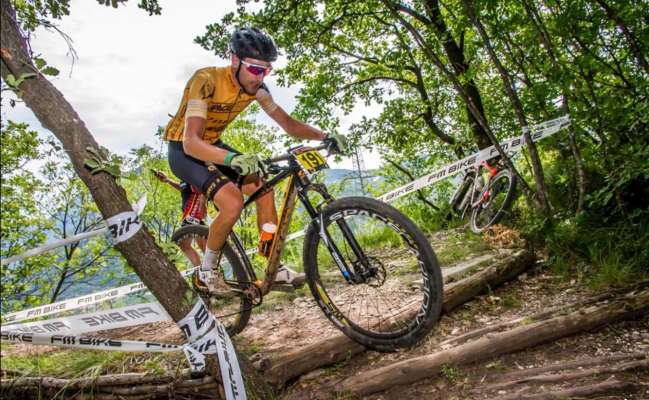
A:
(310, 159)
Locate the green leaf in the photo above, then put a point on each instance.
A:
(11, 80)
(40, 63)
(90, 163)
(50, 71)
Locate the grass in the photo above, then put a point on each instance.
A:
(452, 374)
(599, 256)
(89, 363)
(274, 299)
(459, 246)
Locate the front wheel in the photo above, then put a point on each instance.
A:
(496, 201)
(234, 312)
(373, 273)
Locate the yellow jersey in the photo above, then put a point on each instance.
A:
(219, 90)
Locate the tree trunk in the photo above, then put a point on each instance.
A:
(455, 55)
(412, 370)
(541, 190)
(278, 370)
(55, 113)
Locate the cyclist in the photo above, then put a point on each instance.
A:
(194, 212)
(212, 98)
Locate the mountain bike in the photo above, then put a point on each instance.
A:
(488, 192)
(369, 268)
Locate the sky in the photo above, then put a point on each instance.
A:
(132, 68)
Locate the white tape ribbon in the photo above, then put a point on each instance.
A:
(139, 207)
(206, 335)
(80, 342)
(123, 317)
(124, 225)
(538, 132)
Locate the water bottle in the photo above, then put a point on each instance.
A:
(266, 238)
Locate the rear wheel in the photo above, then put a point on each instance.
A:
(234, 312)
(389, 295)
(495, 206)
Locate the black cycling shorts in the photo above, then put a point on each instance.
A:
(194, 171)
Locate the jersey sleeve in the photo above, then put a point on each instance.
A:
(201, 89)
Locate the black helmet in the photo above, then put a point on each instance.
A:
(253, 43)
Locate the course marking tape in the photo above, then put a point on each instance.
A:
(206, 335)
(139, 207)
(81, 342)
(537, 133)
(122, 317)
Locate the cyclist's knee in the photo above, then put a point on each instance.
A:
(229, 201)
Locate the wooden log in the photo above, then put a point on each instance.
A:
(569, 376)
(454, 341)
(106, 380)
(338, 348)
(412, 370)
(607, 387)
(582, 363)
(545, 314)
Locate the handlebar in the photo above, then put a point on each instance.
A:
(287, 156)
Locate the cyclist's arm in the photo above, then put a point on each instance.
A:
(165, 179)
(201, 89)
(173, 184)
(292, 126)
(194, 146)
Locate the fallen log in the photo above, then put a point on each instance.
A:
(280, 369)
(582, 363)
(81, 383)
(412, 370)
(545, 314)
(568, 376)
(607, 387)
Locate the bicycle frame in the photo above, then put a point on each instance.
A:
(477, 195)
(297, 186)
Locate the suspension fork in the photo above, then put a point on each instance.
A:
(355, 275)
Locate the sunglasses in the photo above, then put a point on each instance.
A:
(257, 69)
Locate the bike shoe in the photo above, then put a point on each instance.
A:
(285, 275)
(212, 283)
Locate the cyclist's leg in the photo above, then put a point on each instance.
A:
(225, 195)
(229, 200)
(265, 205)
(188, 250)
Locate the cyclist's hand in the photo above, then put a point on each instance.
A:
(160, 175)
(246, 164)
(336, 143)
